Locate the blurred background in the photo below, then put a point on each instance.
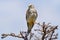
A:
(12, 15)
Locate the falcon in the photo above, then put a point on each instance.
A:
(31, 16)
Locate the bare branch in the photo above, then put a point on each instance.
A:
(13, 35)
(47, 33)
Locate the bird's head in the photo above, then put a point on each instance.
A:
(31, 6)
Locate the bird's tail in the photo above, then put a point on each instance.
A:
(29, 31)
(30, 26)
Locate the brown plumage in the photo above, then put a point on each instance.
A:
(31, 16)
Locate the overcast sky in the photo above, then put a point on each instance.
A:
(12, 15)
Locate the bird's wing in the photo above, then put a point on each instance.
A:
(31, 14)
(27, 15)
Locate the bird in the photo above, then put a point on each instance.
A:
(31, 16)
